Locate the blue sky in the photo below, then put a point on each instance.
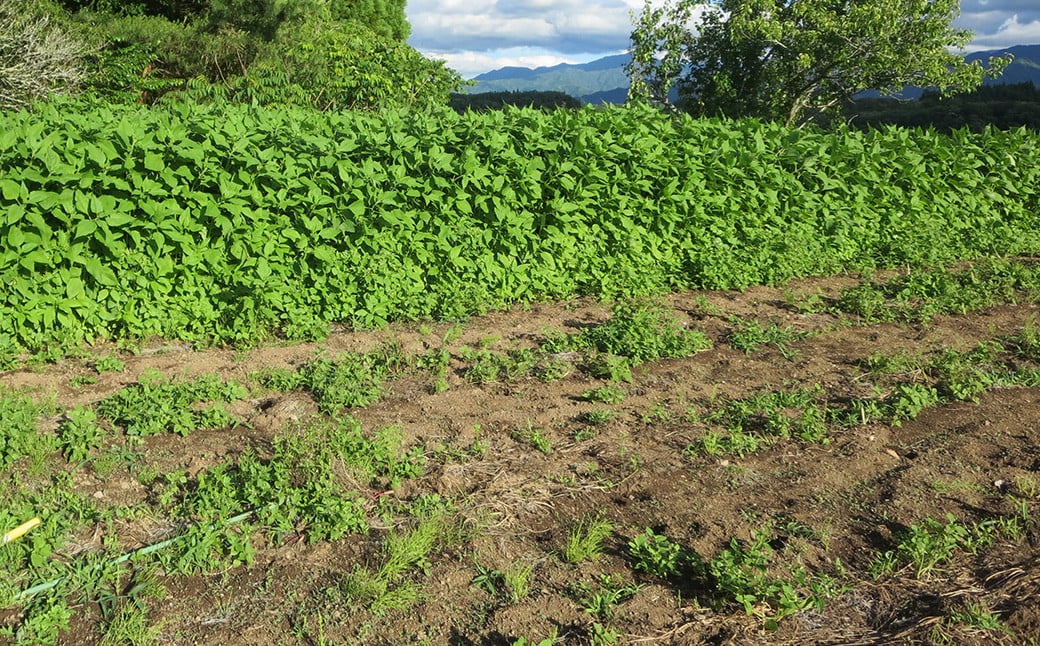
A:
(476, 36)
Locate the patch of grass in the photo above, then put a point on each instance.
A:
(919, 296)
(611, 367)
(1027, 342)
(742, 426)
(550, 369)
(435, 361)
(109, 363)
(585, 433)
(390, 587)
(750, 335)
(599, 416)
(741, 573)
(488, 366)
(585, 540)
(19, 438)
(904, 364)
(977, 615)
(129, 624)
(309, 485)
(930, 543)
(280, 379)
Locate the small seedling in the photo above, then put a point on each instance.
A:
(535, 437)
(600, 416)
(517, 581)
(601, 600)
(109, 363)
(604, 395)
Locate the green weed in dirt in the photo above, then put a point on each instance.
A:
(952, 375)
(488, 366)
(1027, 343)
(658, 555)
(536, 437)
(512, 585)
(750, 335)
(930, 543)
(308, 485)
(390, 586)
(157, 405)
(280, 379)
(108, 363)
(742, 426)
(19, 438)
(602, 599)
(350, 380)
(599, 416)
(741, 572)
(611, 367)
(435, 361)
(639, 329)
(585, 540)
(604, 395)
(80, 433)
(921, 295)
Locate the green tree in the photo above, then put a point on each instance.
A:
(328, 54)
(386, 18)
(335, 66)
(794, 60)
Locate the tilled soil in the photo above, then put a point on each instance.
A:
(834, 507)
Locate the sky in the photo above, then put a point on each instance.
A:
(476, 36)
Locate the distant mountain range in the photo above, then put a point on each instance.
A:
(604, 80)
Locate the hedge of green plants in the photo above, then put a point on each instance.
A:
(227, 224)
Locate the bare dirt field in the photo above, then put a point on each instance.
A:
(717, 526)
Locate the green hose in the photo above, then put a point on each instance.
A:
(148, 549)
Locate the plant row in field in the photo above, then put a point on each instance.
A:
(324, 479)
(231, 224)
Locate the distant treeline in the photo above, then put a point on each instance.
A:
(1002, 106)
(484, 101)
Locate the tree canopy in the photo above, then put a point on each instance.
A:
(793, 60)
(327, 54)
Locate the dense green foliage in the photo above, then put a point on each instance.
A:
(482, 101)
(792, 60)
(203, 223)
(1001, 106)
(325, 54)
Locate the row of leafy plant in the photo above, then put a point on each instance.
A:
(230, 224)
(325, 480)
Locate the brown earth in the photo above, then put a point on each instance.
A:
(853, 497)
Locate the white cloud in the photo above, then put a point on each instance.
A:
(475, 36)
(1010, 32)
(472, 63)
(567, 26)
